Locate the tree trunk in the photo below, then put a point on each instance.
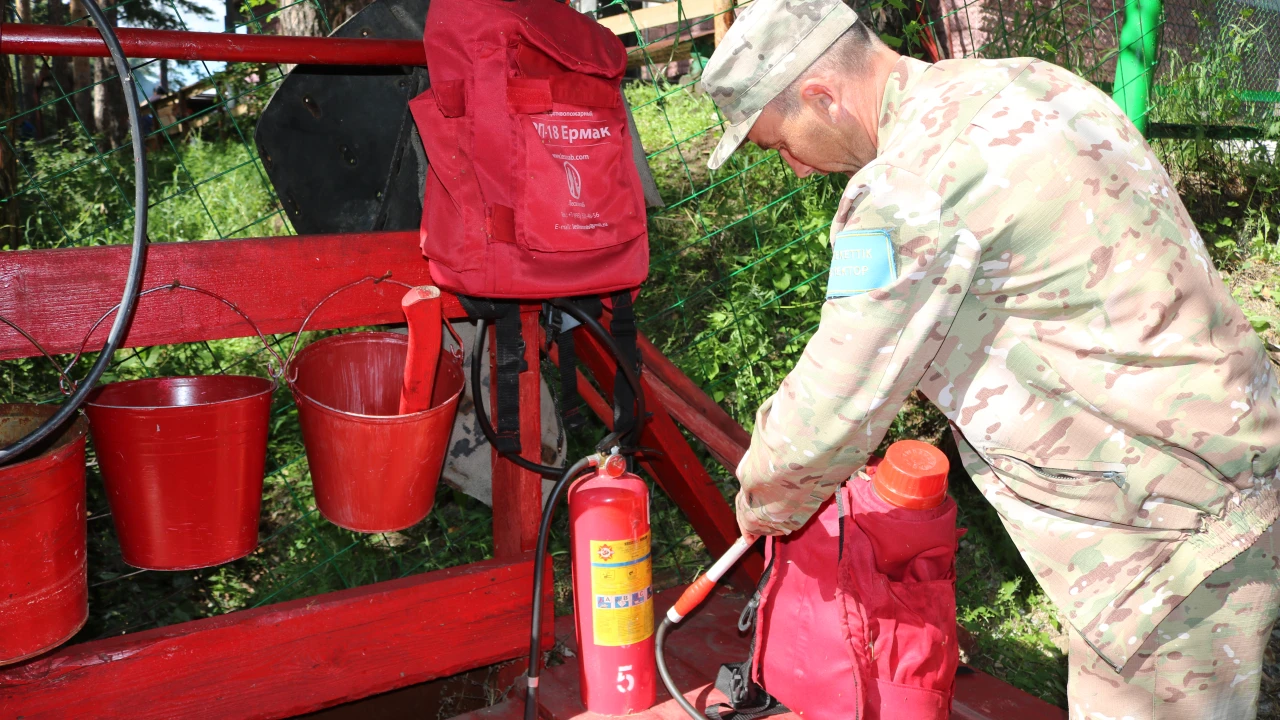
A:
(232, 18)
(82, 76)
(30, 98)
(108, 97)
(63, 82)
(10, 234)
(964, 29)
(300, 19)
(724, 18)
(108, 103)
(162, 88)
(262, 19)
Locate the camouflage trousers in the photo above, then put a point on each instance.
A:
(1203, 662)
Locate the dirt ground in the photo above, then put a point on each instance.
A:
(1256, 286)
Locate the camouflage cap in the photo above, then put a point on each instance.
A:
(769, 45)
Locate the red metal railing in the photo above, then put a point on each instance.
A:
(53, 40)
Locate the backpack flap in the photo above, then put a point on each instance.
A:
(572, 40)
(576, 185)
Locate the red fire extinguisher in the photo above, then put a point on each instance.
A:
(613, 589)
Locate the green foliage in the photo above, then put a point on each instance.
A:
(736, 253)
(200, 190)
(1017, 634)
(1230, 187)
(1063, 33)
(1208, 84)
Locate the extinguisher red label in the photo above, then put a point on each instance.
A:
(622, 591)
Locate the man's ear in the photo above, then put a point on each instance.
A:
(820, 96)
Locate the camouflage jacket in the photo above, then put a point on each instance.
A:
(1052, 297)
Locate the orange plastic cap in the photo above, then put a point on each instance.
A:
(913, 475)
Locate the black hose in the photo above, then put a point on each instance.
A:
(539, 558)
(133, 283)
(665, 674)
(595, 328)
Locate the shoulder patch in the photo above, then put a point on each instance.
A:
(861, 260)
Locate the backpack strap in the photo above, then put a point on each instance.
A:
(623, 330)
(747, 700)
(560, 327)
(510, 347)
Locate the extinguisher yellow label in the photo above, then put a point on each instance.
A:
(622, 591)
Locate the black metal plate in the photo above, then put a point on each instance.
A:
(338, 142)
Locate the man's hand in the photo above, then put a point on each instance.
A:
(750, 523)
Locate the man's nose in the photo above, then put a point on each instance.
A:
(800, 169)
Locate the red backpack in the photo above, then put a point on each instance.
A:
(855, 616)
(531, 188)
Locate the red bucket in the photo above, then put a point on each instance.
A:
(44, 594)
(372, 469)
(182, 460)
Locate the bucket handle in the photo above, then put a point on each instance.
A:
(66, 384)
(385, 277)
(276, 371)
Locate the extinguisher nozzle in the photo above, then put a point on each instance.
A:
(698, 591)
(690, 599)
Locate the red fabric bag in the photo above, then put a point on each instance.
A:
(858, 616)
(531, 188)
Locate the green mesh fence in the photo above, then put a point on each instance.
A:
(738, 255)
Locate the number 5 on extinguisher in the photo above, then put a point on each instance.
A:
(626, 681)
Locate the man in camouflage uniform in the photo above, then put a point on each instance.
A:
(1010, 245)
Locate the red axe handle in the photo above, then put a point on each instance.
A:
(421, 307)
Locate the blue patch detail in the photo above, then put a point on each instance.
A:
(861, 260)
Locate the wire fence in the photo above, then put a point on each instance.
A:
(739, 254)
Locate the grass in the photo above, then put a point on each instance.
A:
(200, 189)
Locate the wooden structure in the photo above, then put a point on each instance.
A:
(344, 645)
(709, 637)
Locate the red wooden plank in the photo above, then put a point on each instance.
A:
(290, 658)
(505, 710)
(678, 469)
(26, 39)
(980, 696)
(57, 295)
(700, 415)
(664, 395)
(722, 444)
(517, 493)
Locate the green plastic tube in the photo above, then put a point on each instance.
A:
(1136, 61)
